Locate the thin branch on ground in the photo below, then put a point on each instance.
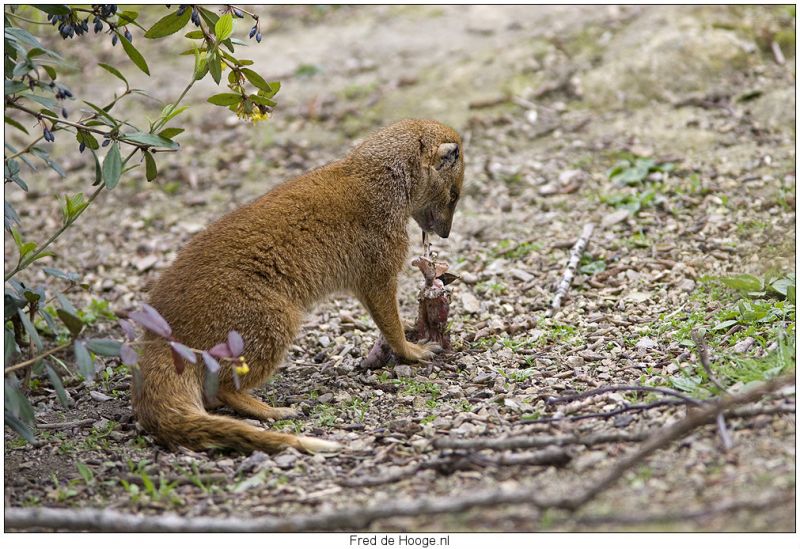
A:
(625, 388)
(537, 441)
(611, 413)
(459, 462)
(66, 424)
(702, 354)
(698, 514)
(569, 272)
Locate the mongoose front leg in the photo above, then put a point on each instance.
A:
(248, 405)
(381, 301)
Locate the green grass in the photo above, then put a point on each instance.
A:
(761, 308)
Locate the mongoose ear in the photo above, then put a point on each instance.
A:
(446, 155)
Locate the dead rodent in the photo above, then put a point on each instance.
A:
(260, 268)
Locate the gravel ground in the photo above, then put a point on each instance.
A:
(549, 100)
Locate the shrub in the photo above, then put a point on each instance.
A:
(40, 322)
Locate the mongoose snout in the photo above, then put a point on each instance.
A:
(261, 267)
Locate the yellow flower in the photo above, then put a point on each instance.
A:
(242, 368)
(255, 113)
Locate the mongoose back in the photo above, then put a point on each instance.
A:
(261, 267)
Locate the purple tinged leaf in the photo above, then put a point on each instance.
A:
(184, 351)
(151, 320)
(128, 328)
(153, 314)
(128, 355)
(220, 350)
(211, 362)
(235, 343)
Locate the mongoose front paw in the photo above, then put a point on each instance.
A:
(421, 352)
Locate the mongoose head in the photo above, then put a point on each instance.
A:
(440, 184)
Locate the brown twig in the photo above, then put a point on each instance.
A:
(458, 462)
(569, 272)
(66, 424)
(698, 514)
(702, 353)
(35, 359)
(612, 413)
(537, 441)
(625, 388)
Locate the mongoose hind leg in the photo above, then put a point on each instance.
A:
(248, 405)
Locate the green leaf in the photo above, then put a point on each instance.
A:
(168, 114)
(209, 16)
(10, 87)
(115, 72)
(781, 286)
(87, 139)
(150, 168)
(200, 64)
(225, 99)
(169, 133)
(150, 139)
(275, 87)
(9, 347)
(224, 27)
(742, 282)
(58, 386)
(169, 24)
(104, 347)
(43, 101)
(194, 35)
(16, 124)
(133, 54)
(215, 67)
(54, 9)
(262, 100)
(98, 172)
(110, 120)
(85, 472)
(112, 167)
(84, 360)
(19, 426)
(31, 330)
(724, 324)
(72, 322)
(256, 80)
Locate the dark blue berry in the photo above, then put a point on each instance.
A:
(181, 9)
(237, 13)
(64, 112)
(48, 135)
(98, 25)
(114, 40)
(128, 35)
(252, 32)
(82, 147)
(195, 17)
(106, 142)
(258, 37)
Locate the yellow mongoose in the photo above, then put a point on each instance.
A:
(257, 270)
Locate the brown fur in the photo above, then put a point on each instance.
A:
(260, 268)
